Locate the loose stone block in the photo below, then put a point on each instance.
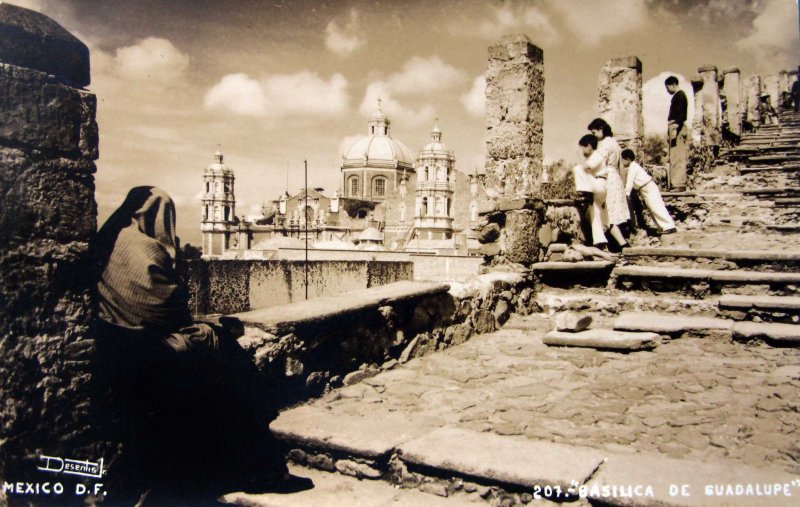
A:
(514, 117)
(785, 334)
(572, 321)
(731, 89)
(603, 339)
(620, 100)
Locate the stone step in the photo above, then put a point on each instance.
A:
(770, 332)
(768, 260)
(570, 274)
(766, 168)
(704, 281)
(607, 303)
(764, 159)
(673, 325)
(604, 339)
(784, 309)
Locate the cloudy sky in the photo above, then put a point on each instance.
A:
(276, 82)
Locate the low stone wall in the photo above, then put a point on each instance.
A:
(445, 268)
(308, 348)
(229, 286)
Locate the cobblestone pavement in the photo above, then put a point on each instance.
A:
(692, 398)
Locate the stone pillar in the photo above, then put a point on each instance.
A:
(514, 117)
(711, 110)
(697, 119)
(620, 100)
(752, 93)
(48, 145)
(770, 85)
(731, 88)
(783, 85)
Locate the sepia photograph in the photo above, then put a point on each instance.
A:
(422, 253)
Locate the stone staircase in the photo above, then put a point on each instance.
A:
(735, 258)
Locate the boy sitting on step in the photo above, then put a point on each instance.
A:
(643, 183)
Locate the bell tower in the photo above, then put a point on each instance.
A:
(219, 207)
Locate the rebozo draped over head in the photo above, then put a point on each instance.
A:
(136, 251)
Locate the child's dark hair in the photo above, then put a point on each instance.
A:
(601, 124)
(588, 140)
(628, 155)
(672, 80)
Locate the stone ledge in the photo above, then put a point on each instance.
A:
(285, 318)
(506, 460)
(660, 472)
(760, 302)
(668, 324)
(783, 334)
(604, 339)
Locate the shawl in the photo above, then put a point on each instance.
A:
(136, 252)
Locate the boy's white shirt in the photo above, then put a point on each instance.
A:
(636, 176)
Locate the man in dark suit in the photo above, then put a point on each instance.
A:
(678, 135)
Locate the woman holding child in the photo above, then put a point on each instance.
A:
(616, 203)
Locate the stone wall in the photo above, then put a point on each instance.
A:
(305, 349)
(48, 145)
(514, 117)
(229, 286)
(620, 101)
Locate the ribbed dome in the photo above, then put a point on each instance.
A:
(380, 149)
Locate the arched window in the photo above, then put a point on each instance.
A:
(227, 213)
(424, 207)
(208, 186)
(217, 186)
(426, 174)
(353, 186)
(309, 214)
(217, 213)
(379, 186)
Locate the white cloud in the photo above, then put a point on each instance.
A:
(514, 17)
(656, 100)
(591, 22)
(343, 41)
(152, 59)
(474, 100)
(406, 115)
(237, 93)
(279, 95)
(424, 75)
(773, 39)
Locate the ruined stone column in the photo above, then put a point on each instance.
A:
(710, 109)
(48, 145)
(731, 88)
(620, 100)
(753, 96)
(770, 85)
(697, 119)
(783, 85)
(514, 117)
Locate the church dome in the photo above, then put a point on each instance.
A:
(436, 148)
(377, 148)
(218, 166)
(371, 234)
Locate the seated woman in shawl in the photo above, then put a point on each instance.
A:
(189, 391)
(617, 211)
